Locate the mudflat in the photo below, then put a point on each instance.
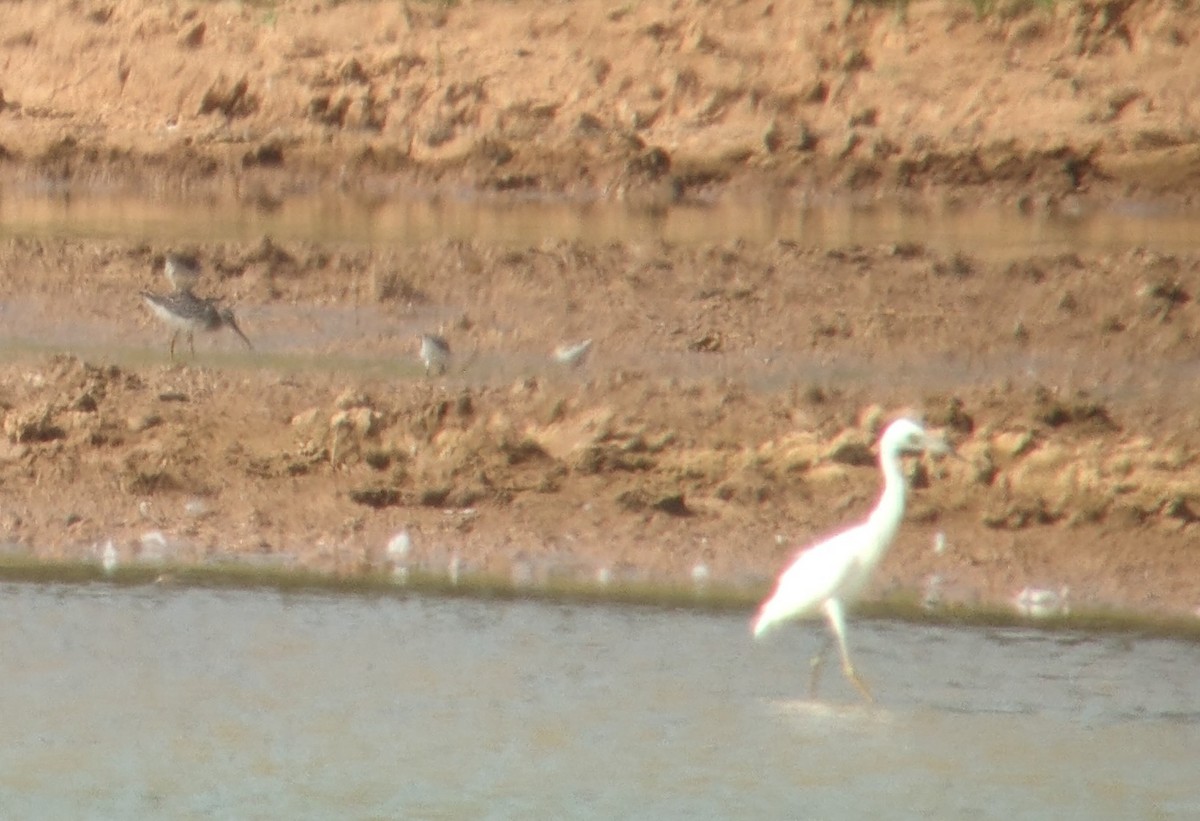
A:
(726, 412)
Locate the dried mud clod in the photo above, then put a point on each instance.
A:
(231, 98)
(500, 449)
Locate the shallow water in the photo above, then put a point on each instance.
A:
(986, 231)
(363, 339)
(128, 702)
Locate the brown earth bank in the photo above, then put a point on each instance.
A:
(1036, 102)
(727, 414)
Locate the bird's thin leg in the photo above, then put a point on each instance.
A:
(837, 621)
(817, 661)
(174, 337)
(192, 344)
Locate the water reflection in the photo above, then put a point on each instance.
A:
(126, 702)
(995, 231)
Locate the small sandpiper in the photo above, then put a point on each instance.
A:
(573, 356)
(187, 313)
(1040, 603)
(109, 558)
(182, 270)
(435, 353)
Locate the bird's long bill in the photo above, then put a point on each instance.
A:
(233, 324)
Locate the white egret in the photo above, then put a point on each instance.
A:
(830, 574)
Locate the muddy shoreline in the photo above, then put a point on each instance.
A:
(708, 429)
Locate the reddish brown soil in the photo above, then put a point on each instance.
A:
(734, 389)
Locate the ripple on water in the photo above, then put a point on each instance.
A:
(135, 701)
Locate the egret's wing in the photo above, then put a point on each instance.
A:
(817, 573)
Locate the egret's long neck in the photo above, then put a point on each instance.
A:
(885, 518)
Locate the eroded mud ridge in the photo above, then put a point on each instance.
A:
(654, 101)
(727, 414)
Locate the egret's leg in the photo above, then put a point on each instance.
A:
(837, 621)
(817, 661)
(192, 344)
(174, 337)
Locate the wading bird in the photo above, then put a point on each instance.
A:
(573, 355)
(435, 353)
(1040, 603)
(187, 313)
(831, 574)
(182, 270)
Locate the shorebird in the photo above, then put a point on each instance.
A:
(399, 548)
(187, 313)
(182, 270)
(109, 558)
(831, 574)
(1040, 603)
(573, 355)
(435, 353)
